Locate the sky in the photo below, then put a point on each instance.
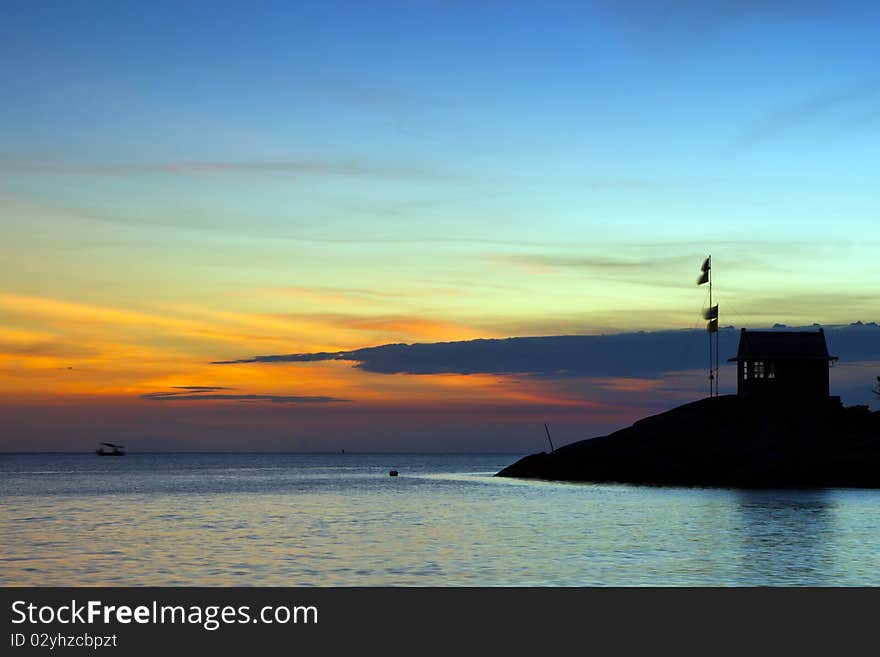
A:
(188, 187)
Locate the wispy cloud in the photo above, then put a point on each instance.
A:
(826, 103)
(602, 266)
(47, 349)
(274, 399)
(354, 167)
(201, 388)
(699, 18)
(349, 294)
(406, 326)
(294, 358)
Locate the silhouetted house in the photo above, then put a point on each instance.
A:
(783, 364)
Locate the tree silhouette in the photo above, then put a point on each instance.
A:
(877, 391)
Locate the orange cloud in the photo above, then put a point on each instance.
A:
(413, 327)
(624, 384)
(70, 349)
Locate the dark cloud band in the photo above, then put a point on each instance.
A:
(274, 399)
(643, 354)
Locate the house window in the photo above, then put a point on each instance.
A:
(759, 369)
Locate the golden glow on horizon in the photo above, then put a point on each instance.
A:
(86, 350)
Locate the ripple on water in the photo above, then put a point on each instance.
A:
(311, 520)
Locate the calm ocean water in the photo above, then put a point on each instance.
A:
(333, 520)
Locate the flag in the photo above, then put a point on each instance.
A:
(704, 277)
(711, 313)
(712, 326)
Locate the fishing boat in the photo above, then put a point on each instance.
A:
(109, 449)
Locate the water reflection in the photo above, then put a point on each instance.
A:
(297, 520)
(785, 536)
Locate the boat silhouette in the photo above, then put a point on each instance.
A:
(109, 449)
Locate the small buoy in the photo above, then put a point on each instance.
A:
(393, 473)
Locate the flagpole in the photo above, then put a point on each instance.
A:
(711, 377)
(717, 319)
(712, 327)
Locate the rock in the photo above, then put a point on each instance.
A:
(726, 441)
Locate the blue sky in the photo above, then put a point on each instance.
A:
(748, 103)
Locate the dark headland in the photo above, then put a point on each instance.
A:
(726, 441)
(781, 429)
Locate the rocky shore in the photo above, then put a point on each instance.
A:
(726, 441)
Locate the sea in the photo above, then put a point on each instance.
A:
(445, 520)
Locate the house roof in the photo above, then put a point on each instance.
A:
(782, 345)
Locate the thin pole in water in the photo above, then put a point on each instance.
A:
(547, 429)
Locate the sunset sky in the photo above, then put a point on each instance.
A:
(188, 183)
